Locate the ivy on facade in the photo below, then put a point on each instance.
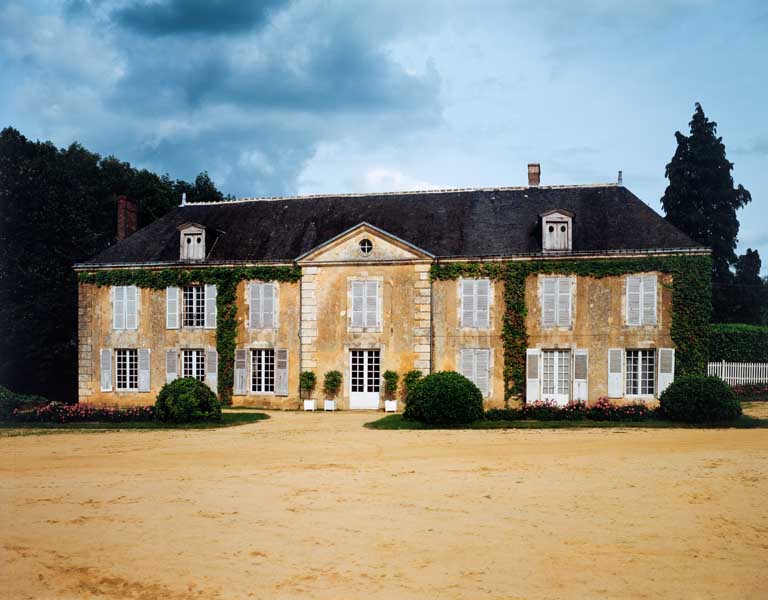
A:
(691, 302)
(225, 279)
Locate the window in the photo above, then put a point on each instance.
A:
(556, 303)
(475, 302)
(366, 247)
(640, 372)
(193, 364)
(127, 370)
(475, 364)
(365, 304)
(556, 375)
(192, 242)
(263, 370)
(124, 307)
(641, 300)
(262, 301)
(194, 306)
(556, 231)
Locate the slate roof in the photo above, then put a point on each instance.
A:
(451, 223)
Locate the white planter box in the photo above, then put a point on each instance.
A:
(390, 405)
(309, 405)
(329, 405)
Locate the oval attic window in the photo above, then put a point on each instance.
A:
(551, 228)
(366, 246)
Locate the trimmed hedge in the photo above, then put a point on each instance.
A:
(734, 342)
(444, 398)
(699, 399)
(187, 400)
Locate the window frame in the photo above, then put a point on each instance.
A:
(475, 283)
(130, 361)
(639, 372)
(363, 282)
(262, 372)
(557, 279)
(198, 304)
(197, 363)
(643, 295)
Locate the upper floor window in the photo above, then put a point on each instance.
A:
(262, 302)
(556, 232)
(641, 300)
(556, 301)
(125, 307)
(475, 302)
(364, 296)
(196, 304)
(192, 242)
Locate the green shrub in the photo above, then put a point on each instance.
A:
(699, 399)
(390, 383)
(411, 378)
(444, 398)
(734, 342)
(10, 401)
(186, 400)
(307, 381)
(331, 383)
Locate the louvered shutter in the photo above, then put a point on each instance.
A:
(482, 370)
(254, 291)
(467, 363)
(171, 365)
(131, 307)
(580, 375)
(649, 299)
(210, 306)
(634, 285)
(666, 368)
(118, 307)
(268, 305)
(172, 308)
(357, 304)
(105, 363)
(241, 372)
(281, 372)
(482, 302)
(144, 369)
(532, 377)
(212, 370)
(467, 303)
(615, 372)
(563, 302)
(371, 304)
(548, 301)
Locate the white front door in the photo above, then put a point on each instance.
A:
(556, 376)
(365, 380)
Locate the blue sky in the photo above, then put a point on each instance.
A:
(286, 97)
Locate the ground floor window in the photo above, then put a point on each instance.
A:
(193, 364)
(640, 372)
(263, 370)
(127, 373)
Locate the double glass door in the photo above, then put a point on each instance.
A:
(556, 376)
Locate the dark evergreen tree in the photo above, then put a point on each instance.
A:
(748, 293)
(702, 201)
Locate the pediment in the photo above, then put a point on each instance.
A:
(364, 243)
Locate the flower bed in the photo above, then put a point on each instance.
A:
(755, 391)
(602, 410)
(57, 412)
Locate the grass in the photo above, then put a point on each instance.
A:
(398, 422)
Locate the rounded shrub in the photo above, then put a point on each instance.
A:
(444, 398)
(699, 399)
(186, 400)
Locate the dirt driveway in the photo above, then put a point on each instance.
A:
(313, 505)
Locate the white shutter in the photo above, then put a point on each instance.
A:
(633, 300)
(171, 365)
(210, 306)
(482, 368)
(482, 303)
(580, 375)
(563, 302)
(212, 370)
(615, 372)
(172, 308)
(118, 307)
(105, 360)
(144, 369)
(371, 304)
(357, 304)
(649, 299)
(532, 377)
(254, 291)
(241, 372)
(268, 305)
(467, 303)
(467, 363)
(131, 307)
(548, 301)
(666, 368)
(281, 372)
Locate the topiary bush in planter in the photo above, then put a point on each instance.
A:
(699, 399)
(186, 400)
(444, 398)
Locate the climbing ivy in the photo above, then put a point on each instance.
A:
(691, 302)
(225, 279)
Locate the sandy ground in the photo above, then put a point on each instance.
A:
(313, 505)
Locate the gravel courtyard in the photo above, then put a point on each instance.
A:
(316, 506)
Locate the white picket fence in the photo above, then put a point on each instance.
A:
(739, 373)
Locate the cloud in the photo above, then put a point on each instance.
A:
(758, 146)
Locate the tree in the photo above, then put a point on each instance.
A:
(702, 201)
(749, 293)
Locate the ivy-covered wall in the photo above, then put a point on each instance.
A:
(691, 301)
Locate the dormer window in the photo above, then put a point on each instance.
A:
(192, 242)
(557, 231)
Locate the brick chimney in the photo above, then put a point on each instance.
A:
(127, 217)
(534, 174)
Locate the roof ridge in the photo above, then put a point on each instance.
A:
(403, 193)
